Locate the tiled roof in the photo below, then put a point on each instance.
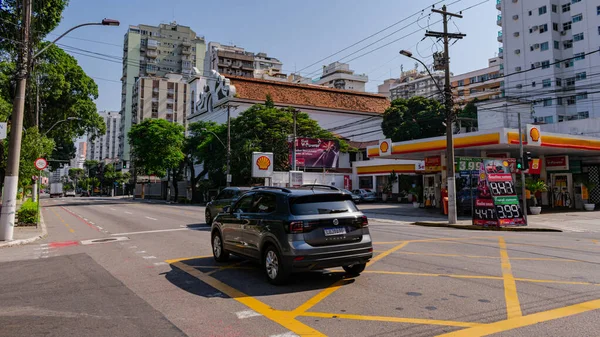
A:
(308, 95)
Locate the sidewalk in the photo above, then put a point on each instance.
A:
(26, 234)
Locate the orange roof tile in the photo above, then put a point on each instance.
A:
(308, 95)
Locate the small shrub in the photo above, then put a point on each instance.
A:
(28, 213)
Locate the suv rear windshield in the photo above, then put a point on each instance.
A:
(322, 204)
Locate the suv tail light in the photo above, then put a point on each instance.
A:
(296, 227)
(364, 221)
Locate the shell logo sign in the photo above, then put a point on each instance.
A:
(385, 147)
(263, 163)
(534, 136)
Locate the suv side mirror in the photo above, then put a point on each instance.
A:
(227, 209)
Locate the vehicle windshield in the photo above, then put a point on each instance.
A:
(322, 204)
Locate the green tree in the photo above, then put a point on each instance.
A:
(91, 168)
(201, 146)
(413, 118)
(467, 116)
(157, 146)
(76, 174)
(45, 16)
(33, 146)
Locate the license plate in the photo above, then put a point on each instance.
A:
(334, 231)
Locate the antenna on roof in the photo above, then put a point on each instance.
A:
(312, 188)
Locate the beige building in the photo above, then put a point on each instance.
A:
(340, 76)
(161, 97)
(155, 51)
(417, 83)
(481, 84)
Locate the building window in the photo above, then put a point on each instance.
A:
(578, 37)
(542, 10)
(598, 10)
(530, 13)
(554, 8)
(570, 81)
(558, 82)
(567, 25)
(581, 96)
(559, 101)
(546, 64)
(543, 28)
(555, 26)
(533, 84)
(577, 18)
(575, 1)
(566, 8)
(547, 101)
(461, 83)
(570, 100)
(598, 30)
(583, 114)
(557, 63)
(580, 76)
(544, 46)
(546, 83)
(579, 56)
(568, 44)
(556, 45)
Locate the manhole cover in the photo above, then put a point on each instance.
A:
(104, 240)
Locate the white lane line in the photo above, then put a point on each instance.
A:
(140, 252)
(99, 227)
(154, 231)
(128, 212)
(43, 244)
(149, 257)
(247, 314)
(100, 206)
(150, 218)
(132, 247)
(113, 209)
(160, 263)
(287, 334)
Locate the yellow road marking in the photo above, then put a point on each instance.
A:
(284, 318)
(492, 257)
(232, 266)
(519, 322)
(513, 307)
(386, 253)
(187, 258)
(447, 240)
(71, 230)
(391, 319)
(595, 241)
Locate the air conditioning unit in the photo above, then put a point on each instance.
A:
(535, 28)
(536, 46)
(517, 51)
(563, 33)
(537, 64)
(515, 17)
(516, 34)
(517, 68)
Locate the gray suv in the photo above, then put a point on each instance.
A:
(227, 196)
(290, 230)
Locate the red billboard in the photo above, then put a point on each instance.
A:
(317, 153)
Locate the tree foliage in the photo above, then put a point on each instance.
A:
(413, 118)
(157, 145)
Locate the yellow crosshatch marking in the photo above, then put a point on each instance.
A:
(515, 318)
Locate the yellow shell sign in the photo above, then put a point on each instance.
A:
(384, 147)
(534, 133)
(263, 163)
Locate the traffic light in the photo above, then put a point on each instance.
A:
(124, 164)
(520, 164)
(526, 160)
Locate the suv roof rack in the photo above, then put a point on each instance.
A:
(283, 189)
(321, 186)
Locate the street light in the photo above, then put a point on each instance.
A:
(227, 170)
(11, 177)
(450, 179)
(62, 121)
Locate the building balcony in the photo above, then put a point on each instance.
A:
(151, 53)
(152, 44)
(186, 43)
(499, 4)
(499, 20)
(186, 51)
(500, 36)
(501, 52)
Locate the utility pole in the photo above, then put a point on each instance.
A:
(294, 113)
(228, 169)
(9, 200)
(450, 182)
(523, 192)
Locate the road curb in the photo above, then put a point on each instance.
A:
(481, 228)
(28, 240)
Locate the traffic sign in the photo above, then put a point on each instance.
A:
(41, 163)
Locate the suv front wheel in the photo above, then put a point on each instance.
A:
(355, 269)
(220, 254)
(273, 266)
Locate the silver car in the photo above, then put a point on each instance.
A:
(365, 194)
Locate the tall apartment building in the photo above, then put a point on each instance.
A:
(234, 60)
(545, 51)
(338, 75)
(384, 88)
(165, 98)
(155, 51)
(106, 146)
(417, 83)
(481, 84)
(80, 155)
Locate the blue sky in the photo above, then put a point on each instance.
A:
(299, 33)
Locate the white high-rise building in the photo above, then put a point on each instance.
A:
(550, 56)
(106, 146)
(338, 75)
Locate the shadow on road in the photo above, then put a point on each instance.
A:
(246, 277)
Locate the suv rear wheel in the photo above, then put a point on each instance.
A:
(273, 266)
(220, 254)
(355, 269)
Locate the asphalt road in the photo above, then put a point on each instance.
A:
(155, 276)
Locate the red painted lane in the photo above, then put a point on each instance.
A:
(80, 218)
(63, 244)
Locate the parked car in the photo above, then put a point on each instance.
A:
(365, 194)
(84, 193)
(70, 193)
(355, 197)
(227, 196)
(291, 230)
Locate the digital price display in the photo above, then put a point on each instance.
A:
(497, 203)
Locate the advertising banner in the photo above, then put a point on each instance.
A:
(318, 153)
(433, 164)
(557, 163)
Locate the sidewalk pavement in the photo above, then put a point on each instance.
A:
(26, 234)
